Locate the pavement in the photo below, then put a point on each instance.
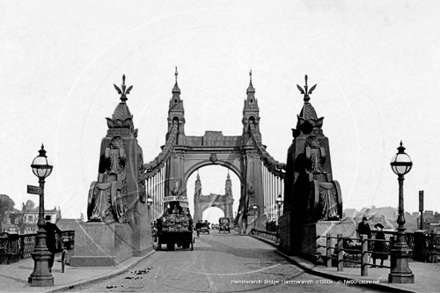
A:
(13, 277)
(426, 275)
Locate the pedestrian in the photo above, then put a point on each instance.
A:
(51, 230)
(380, 247)
(198, 227)
(364, 228)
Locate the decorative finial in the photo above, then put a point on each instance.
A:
(42, 151)
(250, 88)
(401, 148)
(306, 91)
(124, 92)
(176, 73)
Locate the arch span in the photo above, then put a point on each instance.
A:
(212, 214)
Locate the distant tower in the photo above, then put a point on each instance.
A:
(198, 186)
(228, 186)
(197, 194)
(229, 199)
(176, 112)
(251, 111)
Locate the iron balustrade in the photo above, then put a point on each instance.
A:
(27, 244)
(430, 248)
(358, 252)
(272, 236)
(19, 246)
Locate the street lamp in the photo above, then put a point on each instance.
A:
(255, 209)
(279, 202)
(400, 273)
(149, 201)
(41, 276)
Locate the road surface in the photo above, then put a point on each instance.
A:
(219, 263)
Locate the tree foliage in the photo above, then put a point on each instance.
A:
(6, 204)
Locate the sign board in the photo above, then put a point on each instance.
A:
(175, 198)
(34, 189)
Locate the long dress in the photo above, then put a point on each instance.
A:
(380, 247)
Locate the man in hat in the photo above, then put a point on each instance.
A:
(380, 247)
(51, 230)
(364, 228)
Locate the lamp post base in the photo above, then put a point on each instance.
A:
(41, 277)
(401, 278)
(400, 272)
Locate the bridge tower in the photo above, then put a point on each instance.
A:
(221, 201)
(252, 187)
(197, 194)
(175, 164)
(242, 154)
(176, 111)
(229, 198)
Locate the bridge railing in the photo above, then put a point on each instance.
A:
(154, 173)
(345, 251)
(425, 247)
(272, 236)
(273, 173)
(14, 247)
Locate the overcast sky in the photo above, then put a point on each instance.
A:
(376, 63)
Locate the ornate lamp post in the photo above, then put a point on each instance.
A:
(149, 201)
(41, 277)
(279, 202)
(400, 273)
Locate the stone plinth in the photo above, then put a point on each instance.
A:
(101, 244)
(313, 237)
(142, 241)
(285, 233)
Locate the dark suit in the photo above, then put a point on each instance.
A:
(364, 229)
(51, 230)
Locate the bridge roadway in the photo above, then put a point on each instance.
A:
(219, 263)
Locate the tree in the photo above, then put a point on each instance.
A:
(6, 204)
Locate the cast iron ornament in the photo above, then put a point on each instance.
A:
(306, 91)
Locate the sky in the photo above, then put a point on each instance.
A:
(376, 65)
